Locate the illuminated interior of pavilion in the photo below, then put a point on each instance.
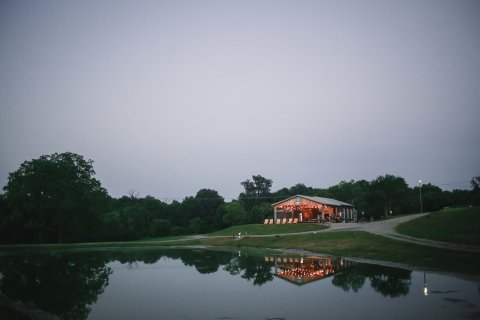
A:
(313, 209)
(303, 270)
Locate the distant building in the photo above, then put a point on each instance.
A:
(313, 209)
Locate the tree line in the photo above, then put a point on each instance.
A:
(57, 199)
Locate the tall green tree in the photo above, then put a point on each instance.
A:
(257, 191)
(389, 194)
(135, 218)
(301, 188)
(433, 198)
(260, 212)
(475, 182)
(259, 187)
(234, 213)
(207, 205)
(54, 198)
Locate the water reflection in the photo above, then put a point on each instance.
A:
(388, 281)
(250, 268)
(348, 275)
(67, 284)
(64, 285)
(302, 270)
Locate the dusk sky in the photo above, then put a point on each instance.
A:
(168, 97)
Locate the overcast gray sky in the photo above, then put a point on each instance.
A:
(168, 97)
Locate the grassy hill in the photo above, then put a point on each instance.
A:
(460, 225)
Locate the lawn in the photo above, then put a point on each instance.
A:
(358, 244)
(461, 225)
(267, 229)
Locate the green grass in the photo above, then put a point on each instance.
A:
(266, 229)
(355, 244)
(162, 238)
(460, 225)
(359, 244)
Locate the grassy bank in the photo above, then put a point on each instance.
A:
(460, 225)
(355, 244)
(268, 229)
(360, 244)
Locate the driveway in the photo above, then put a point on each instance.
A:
(387, 227)
(381, 227)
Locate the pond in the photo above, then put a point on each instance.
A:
(205, 284)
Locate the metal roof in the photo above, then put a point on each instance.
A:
(321, 200)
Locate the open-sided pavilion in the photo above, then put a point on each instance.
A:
(313, 209)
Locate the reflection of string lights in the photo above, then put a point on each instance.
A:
(299, 272)
(307, 269)
(310, 270)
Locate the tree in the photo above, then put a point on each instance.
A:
(256, 191)
(433, 198)
(389, 194)
(5, 230)
(259, 187)
(352, 192)
(195, 225)
(300, 188)
(475, 190)
(234, 213)
(135, 218)
(206, 207)
(475, 182)
(55, 198)
(260, 212)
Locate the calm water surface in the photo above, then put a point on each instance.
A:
(203, 284)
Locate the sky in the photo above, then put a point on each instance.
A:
(169, 97)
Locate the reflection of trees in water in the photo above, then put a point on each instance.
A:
(260, 272)
(132, 257)
(388, 281)
(204, 261)
(349, 280)
(65, 285)
(252, 267)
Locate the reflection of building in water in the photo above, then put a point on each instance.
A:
(302, 270)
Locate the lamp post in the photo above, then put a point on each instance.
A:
(420, 188)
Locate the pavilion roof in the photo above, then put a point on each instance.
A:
(321, 200)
